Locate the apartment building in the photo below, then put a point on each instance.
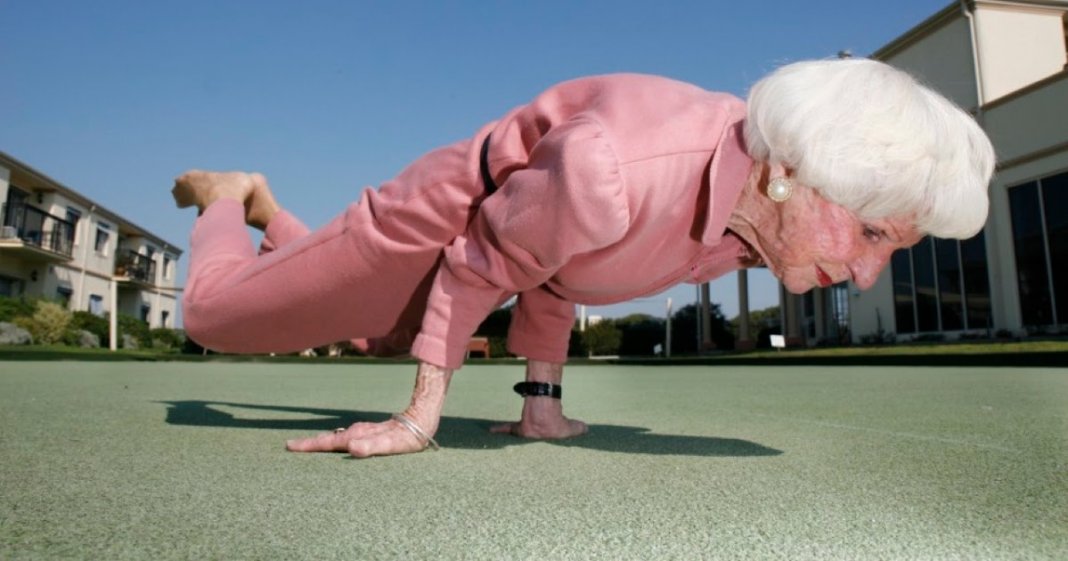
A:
(1007, 63)
(57, 243)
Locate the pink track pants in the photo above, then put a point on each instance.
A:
(366, 274)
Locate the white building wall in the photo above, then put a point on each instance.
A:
(951, 71)
(5, 181)
(1031, 122)
(1017, 46)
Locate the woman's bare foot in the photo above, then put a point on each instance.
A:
(260, 206)
(202, 188)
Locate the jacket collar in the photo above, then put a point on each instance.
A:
(727, 174)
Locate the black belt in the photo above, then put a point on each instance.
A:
(483, 166)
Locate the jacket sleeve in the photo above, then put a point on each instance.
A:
(567, 201)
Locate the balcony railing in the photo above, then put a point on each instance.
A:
(38, 228)
(135, 266)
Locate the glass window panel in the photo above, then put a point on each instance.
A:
(1031, 274)
(901, 272)
(949, 289)
(976, 282)
(1055, 203)
(926, 295)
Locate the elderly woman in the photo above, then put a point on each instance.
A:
(601, 190)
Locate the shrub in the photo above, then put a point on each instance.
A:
(48, 324)
(11, 308)
(129, 325)
(94, 324)
(165, 338)
(81, 338)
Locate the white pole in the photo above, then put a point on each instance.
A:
(113, 323)
(582, 318)
(667, 337)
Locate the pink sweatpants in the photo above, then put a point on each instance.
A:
(366, 274)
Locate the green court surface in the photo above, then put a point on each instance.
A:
(186, 461)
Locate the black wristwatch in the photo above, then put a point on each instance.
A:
(541, 389)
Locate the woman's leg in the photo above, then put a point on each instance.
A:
(366, 274)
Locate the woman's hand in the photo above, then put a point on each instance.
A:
(543, 417)
(364, 440)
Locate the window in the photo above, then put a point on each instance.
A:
(96, 304)
(904, 303)
(63, 294)
(976, 282)
(166, 267)
(1055, 202)
(1040, 237)
(10, 287)
(941, 285)
(163, 317)
(146, 312)
(73, 216)
(926, 293)
(950, 300)
(103, 239)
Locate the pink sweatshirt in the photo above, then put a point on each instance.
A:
(611, 188)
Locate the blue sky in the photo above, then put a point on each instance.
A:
(115, 98)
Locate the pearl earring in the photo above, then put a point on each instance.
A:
(780, 189)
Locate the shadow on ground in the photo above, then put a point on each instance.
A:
(458, 432)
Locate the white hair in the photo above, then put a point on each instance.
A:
(872, 139)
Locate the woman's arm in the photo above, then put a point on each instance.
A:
(364, 440)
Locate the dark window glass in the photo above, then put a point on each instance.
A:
(102, 239)
(926, 293)
(63, 294)
(1055, 203)
(949, 289)
(976, 282)
(901, 272)
(1031, 273)
(808, 303)
(96, 304)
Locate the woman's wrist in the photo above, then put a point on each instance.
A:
(428, 396)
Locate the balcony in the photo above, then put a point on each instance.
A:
(133, 266)
(32, 233)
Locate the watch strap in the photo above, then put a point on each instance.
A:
(541, 389)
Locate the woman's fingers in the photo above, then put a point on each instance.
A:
(325, 442)
(335, 441)
(362, 440)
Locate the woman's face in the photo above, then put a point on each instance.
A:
(816, 243)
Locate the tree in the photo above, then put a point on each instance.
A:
(495, 328)
(640, 334)
(603, 338)
(684, 329)
(762, 323)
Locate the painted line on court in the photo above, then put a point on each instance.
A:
(899, 434)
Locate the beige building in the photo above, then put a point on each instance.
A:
(56, 243)
(1006, 63)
